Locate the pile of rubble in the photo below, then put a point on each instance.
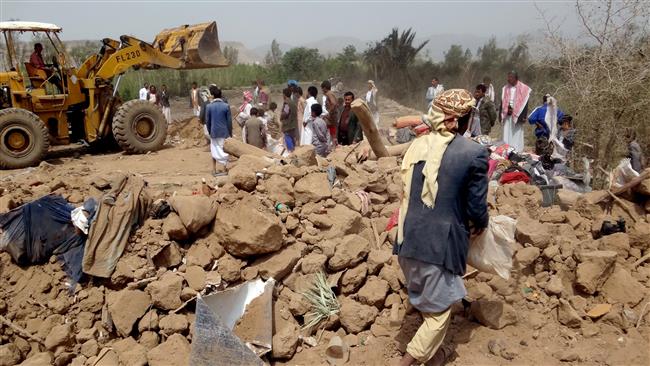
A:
(290, 222)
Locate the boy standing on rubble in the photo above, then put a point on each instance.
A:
(321, 138)
(444, 195)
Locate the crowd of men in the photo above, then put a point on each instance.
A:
(324, 121)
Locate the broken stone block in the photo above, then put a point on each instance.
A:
(373, 292)
(126, 307)
(166, 292)
(312, 188)
(494, 314)
(567, 315)
(594, 269)
(248, 228)
(174, 228)
(351, 250)
(277, 265)
(355, 316)
(174, 351)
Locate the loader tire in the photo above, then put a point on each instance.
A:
(139, 127)
(24, 139)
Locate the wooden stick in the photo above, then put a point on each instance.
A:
(352, 150)
(641, 260)
(631, 184)
(470, 273)
(623, 204)
(20, 330)
(361, 110)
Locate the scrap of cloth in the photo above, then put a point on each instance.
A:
(36, 230)
(430, 148)
(120, 210)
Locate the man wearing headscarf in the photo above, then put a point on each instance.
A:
(444, 196)
(514, 109)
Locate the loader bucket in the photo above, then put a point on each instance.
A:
(196, 45)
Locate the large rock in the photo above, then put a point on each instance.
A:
(285, 342)
(280, 189)
(350, 250)
(532, 232)
(39, 359)
(344, 222)
(313, 262)
(194, 211)
(9, 355)
(229, 268)
(199, 255)
(376, 259)
(618, 242)
(594, 269)
(174, 228)
(567, 315)
(195, 277)
(527, 256)
(243, 177)
(173, 323)
(312, 188)
(168, 256)
(621, 287)
(353, 278)
(374, 292)
(567, 198)
(494, 314)
(174, 351)
(166, 292)
(58, 336)
(247, 228)
(126, 307)
(355, 316)
(130, 352)
(277, 265)
(304, 155)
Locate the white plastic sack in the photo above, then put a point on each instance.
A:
(623, 173)
(492, 251)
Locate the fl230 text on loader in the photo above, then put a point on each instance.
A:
(86, 104)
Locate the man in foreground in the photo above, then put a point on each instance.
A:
(255, 130)
(218, 122)
(444, 196)
(36, 61)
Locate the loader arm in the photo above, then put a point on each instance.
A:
(138, 53)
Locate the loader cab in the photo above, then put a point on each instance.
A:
(18, 47)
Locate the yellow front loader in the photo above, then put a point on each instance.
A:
(86, 104)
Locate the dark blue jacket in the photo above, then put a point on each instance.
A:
(440, 235)
(539, 116)
(218, 119)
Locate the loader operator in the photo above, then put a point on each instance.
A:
(36, 60)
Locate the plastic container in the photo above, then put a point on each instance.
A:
(549, 194)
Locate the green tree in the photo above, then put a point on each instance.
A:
(81, 52)
(231, 54)
(491, 57)
(274, 56)
(302, 63)
(456, 59)
(391, 57)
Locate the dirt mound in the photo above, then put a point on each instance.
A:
(187, 133)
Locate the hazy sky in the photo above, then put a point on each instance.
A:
(256, 23)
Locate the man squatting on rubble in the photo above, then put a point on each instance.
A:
(445, 194)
